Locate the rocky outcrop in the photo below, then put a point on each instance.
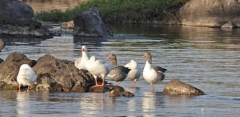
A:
(176, 87)
(211, 13)
(53, 75)
(17, 18)
(61, 75)
(90, 24)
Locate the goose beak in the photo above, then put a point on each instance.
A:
(109, 57)
(144, 56)
(83, 49)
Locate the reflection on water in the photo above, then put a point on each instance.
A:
(206, 58)
(23, 104)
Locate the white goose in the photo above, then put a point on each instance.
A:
(80, 62)
(135, 71)
(97, 68)
(26, 76)
(152, 75)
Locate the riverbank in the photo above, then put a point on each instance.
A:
(121, 12)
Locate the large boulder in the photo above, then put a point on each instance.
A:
(17, 18)
(53, 72)
(90, 24)
(211, 13)
(176, 87)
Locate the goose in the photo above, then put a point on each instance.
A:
(26, 76)
(2, 44)
(80, 62)
(97, 68)
(152, 75)
(135, 71)
(118, 73)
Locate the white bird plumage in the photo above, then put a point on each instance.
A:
(135, 71)
(97, 68)
(26, 76)
(152, 75)
(80, 62)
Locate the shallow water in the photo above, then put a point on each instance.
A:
(206, 58)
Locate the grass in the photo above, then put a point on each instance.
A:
(119, 11)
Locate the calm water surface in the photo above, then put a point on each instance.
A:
(206, 58)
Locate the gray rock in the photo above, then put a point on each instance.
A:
(90, 24)
(17, 18)
(176, 87)
(210, 13)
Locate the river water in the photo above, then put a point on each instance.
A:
(206, 58)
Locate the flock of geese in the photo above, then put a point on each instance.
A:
(119, 73)
(98, 68)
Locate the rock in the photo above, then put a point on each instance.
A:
(176, 87)
(9, 69)
(47, 84)
(117, 91)
(53, 75)
(1, 60)
(2, 44)
(17, 18)
(210, 13)
(68, 25)
(98, 89)
(64, 73)
(127, 94)
(114, 93)
(90, 24)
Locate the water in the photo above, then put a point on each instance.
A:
(206, 58)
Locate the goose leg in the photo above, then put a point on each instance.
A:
(103, 81)
(152, 87)
(19, 87)
(134, 81)
(28, 88)
(119, 82)
(96, 83)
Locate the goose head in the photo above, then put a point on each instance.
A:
(148, 57)
(84, 49)
(113, 57)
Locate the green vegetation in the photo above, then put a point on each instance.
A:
(119, 11)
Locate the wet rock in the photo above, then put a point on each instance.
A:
(210, 13)
(98, 89)
(17, 18)
(117, 91)
(47, 84)
(10, 67)
(127, 94)
(64, 73)
(90, 24)
(115, 94)
(176, 87)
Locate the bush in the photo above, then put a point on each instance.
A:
(118, 11)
